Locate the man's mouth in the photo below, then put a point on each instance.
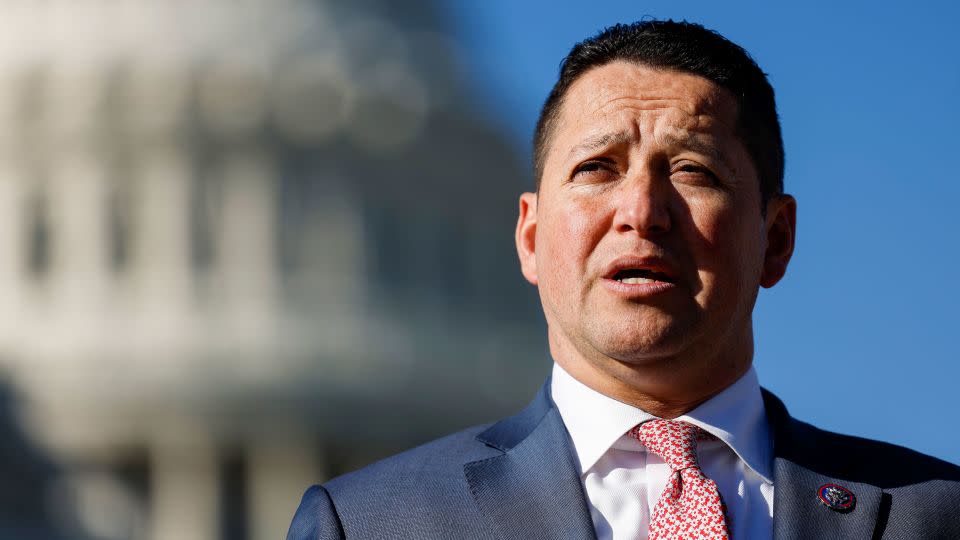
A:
(636, 276)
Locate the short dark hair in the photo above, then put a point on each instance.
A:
(689, 48)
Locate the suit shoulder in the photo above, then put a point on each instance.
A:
(422, 492)
(880, 463)
(315, 517)
(857, 459)
(921, 492)
(435, 461)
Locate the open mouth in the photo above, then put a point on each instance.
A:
(636, 276)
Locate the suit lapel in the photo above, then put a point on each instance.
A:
(801, 457)
(532, 490)
(799, 514)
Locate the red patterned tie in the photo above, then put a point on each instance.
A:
(690, 506)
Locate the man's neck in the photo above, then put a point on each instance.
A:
(666, 388)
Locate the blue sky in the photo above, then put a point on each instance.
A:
(861, 337)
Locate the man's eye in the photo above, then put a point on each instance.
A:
(694, 173)
(591, 167)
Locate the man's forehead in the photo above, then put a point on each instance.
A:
(693, 102)
(621, 103)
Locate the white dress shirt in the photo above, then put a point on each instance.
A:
(623, 482)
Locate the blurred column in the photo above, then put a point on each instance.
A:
(13, 177)
(160, 246)
(279, 470)
(332, 246)
(77, 193)
(13, 250)
(184, 487)
(246, 249)
(329, 274)
(76, 185)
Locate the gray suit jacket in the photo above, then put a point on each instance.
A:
(517, 479)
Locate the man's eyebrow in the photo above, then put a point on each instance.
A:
(690, 142)
(696, 144)
(601, 141)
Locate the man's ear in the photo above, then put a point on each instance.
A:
(781, 226)
(526, 236)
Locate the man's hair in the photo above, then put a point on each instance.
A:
(688, 48)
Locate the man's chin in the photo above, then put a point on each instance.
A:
(641, 340)
(637, 351)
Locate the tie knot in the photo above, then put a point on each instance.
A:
(675, 442)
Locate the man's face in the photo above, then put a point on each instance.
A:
(646, 239)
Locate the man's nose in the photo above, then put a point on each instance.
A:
(642, 205)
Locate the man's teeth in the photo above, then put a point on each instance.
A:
(637, 280)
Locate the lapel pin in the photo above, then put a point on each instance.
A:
(837, 497)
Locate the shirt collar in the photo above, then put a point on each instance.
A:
(595, 421)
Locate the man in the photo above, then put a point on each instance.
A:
(659, 213)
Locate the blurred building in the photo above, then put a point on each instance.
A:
(246, 245)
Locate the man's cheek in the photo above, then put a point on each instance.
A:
(711, 234)
(554, 267)
(584, 228)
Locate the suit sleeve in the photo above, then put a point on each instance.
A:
(316, 518)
